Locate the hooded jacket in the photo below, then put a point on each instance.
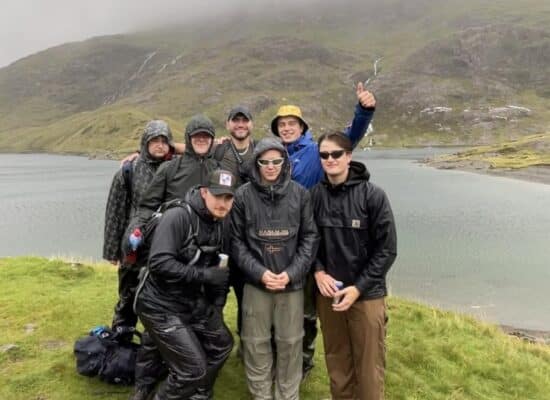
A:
(173, 179)
(175, 281)
(272, 226)
(358, 238)
(122, 201)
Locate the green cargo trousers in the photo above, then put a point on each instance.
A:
(285, 312)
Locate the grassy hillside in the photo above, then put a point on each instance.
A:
(528, 151)
(469, 57)
(46, 304)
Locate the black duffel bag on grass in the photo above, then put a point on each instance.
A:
(108, 354)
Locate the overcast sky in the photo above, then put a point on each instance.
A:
(28, 26)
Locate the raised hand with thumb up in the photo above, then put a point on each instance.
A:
(365, 98)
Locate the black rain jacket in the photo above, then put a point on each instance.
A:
(174, 283)
(272, 226)
(358, 237)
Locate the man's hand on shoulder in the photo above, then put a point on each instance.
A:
(129, 158)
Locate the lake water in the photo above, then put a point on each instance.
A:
(473, 243)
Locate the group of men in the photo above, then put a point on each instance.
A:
(304, 229)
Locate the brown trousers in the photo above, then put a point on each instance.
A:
(354, 348)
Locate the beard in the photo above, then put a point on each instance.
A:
(240, 136)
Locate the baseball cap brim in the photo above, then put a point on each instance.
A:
(217, 191)
(239, 110)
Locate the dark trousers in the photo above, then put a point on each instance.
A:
(127, 283)
(193, 347)
(237, 282)
(310, 322)
(150, 368)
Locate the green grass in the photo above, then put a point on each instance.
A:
(431, 354)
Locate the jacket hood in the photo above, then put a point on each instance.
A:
(154, 129)
(194, 199)
(270, 143)
(358, 173)
(198, 123)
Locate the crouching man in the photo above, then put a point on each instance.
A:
(181, 299)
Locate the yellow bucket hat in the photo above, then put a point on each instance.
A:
(288, 111)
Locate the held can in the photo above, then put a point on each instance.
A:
(339, 286)
(224, 260)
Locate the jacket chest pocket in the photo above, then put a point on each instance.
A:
(276, 243)
(352, 233)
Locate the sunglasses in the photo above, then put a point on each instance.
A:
(276, 162)
(336, 154)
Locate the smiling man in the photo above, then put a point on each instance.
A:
(358, 247)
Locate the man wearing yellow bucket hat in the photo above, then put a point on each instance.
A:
(303, 151)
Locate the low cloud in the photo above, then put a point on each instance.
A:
(29, 26)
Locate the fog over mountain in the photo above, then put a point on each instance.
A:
(28, 26)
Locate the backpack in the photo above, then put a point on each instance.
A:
(148, 232)
(107, 354)
(148, 229)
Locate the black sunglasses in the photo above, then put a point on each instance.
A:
(336, 154)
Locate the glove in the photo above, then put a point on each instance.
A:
(215, 276)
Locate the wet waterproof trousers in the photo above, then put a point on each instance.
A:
(193, 347)
(150, 368)
(354, 348)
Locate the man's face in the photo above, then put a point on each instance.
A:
(337, 163)
(290, 129)
(158, 147)
(270, 165)
(219, 206)
(201, 143)
(239, 127)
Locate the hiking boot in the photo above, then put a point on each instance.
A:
(142, 393)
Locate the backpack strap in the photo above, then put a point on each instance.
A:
(220, 150)
(127, 175)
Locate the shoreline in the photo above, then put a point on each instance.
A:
(535, 174)
(528, 335)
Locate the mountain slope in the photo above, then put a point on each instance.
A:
(445, 74)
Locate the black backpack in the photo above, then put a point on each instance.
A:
(148, 229)
(107, 354)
